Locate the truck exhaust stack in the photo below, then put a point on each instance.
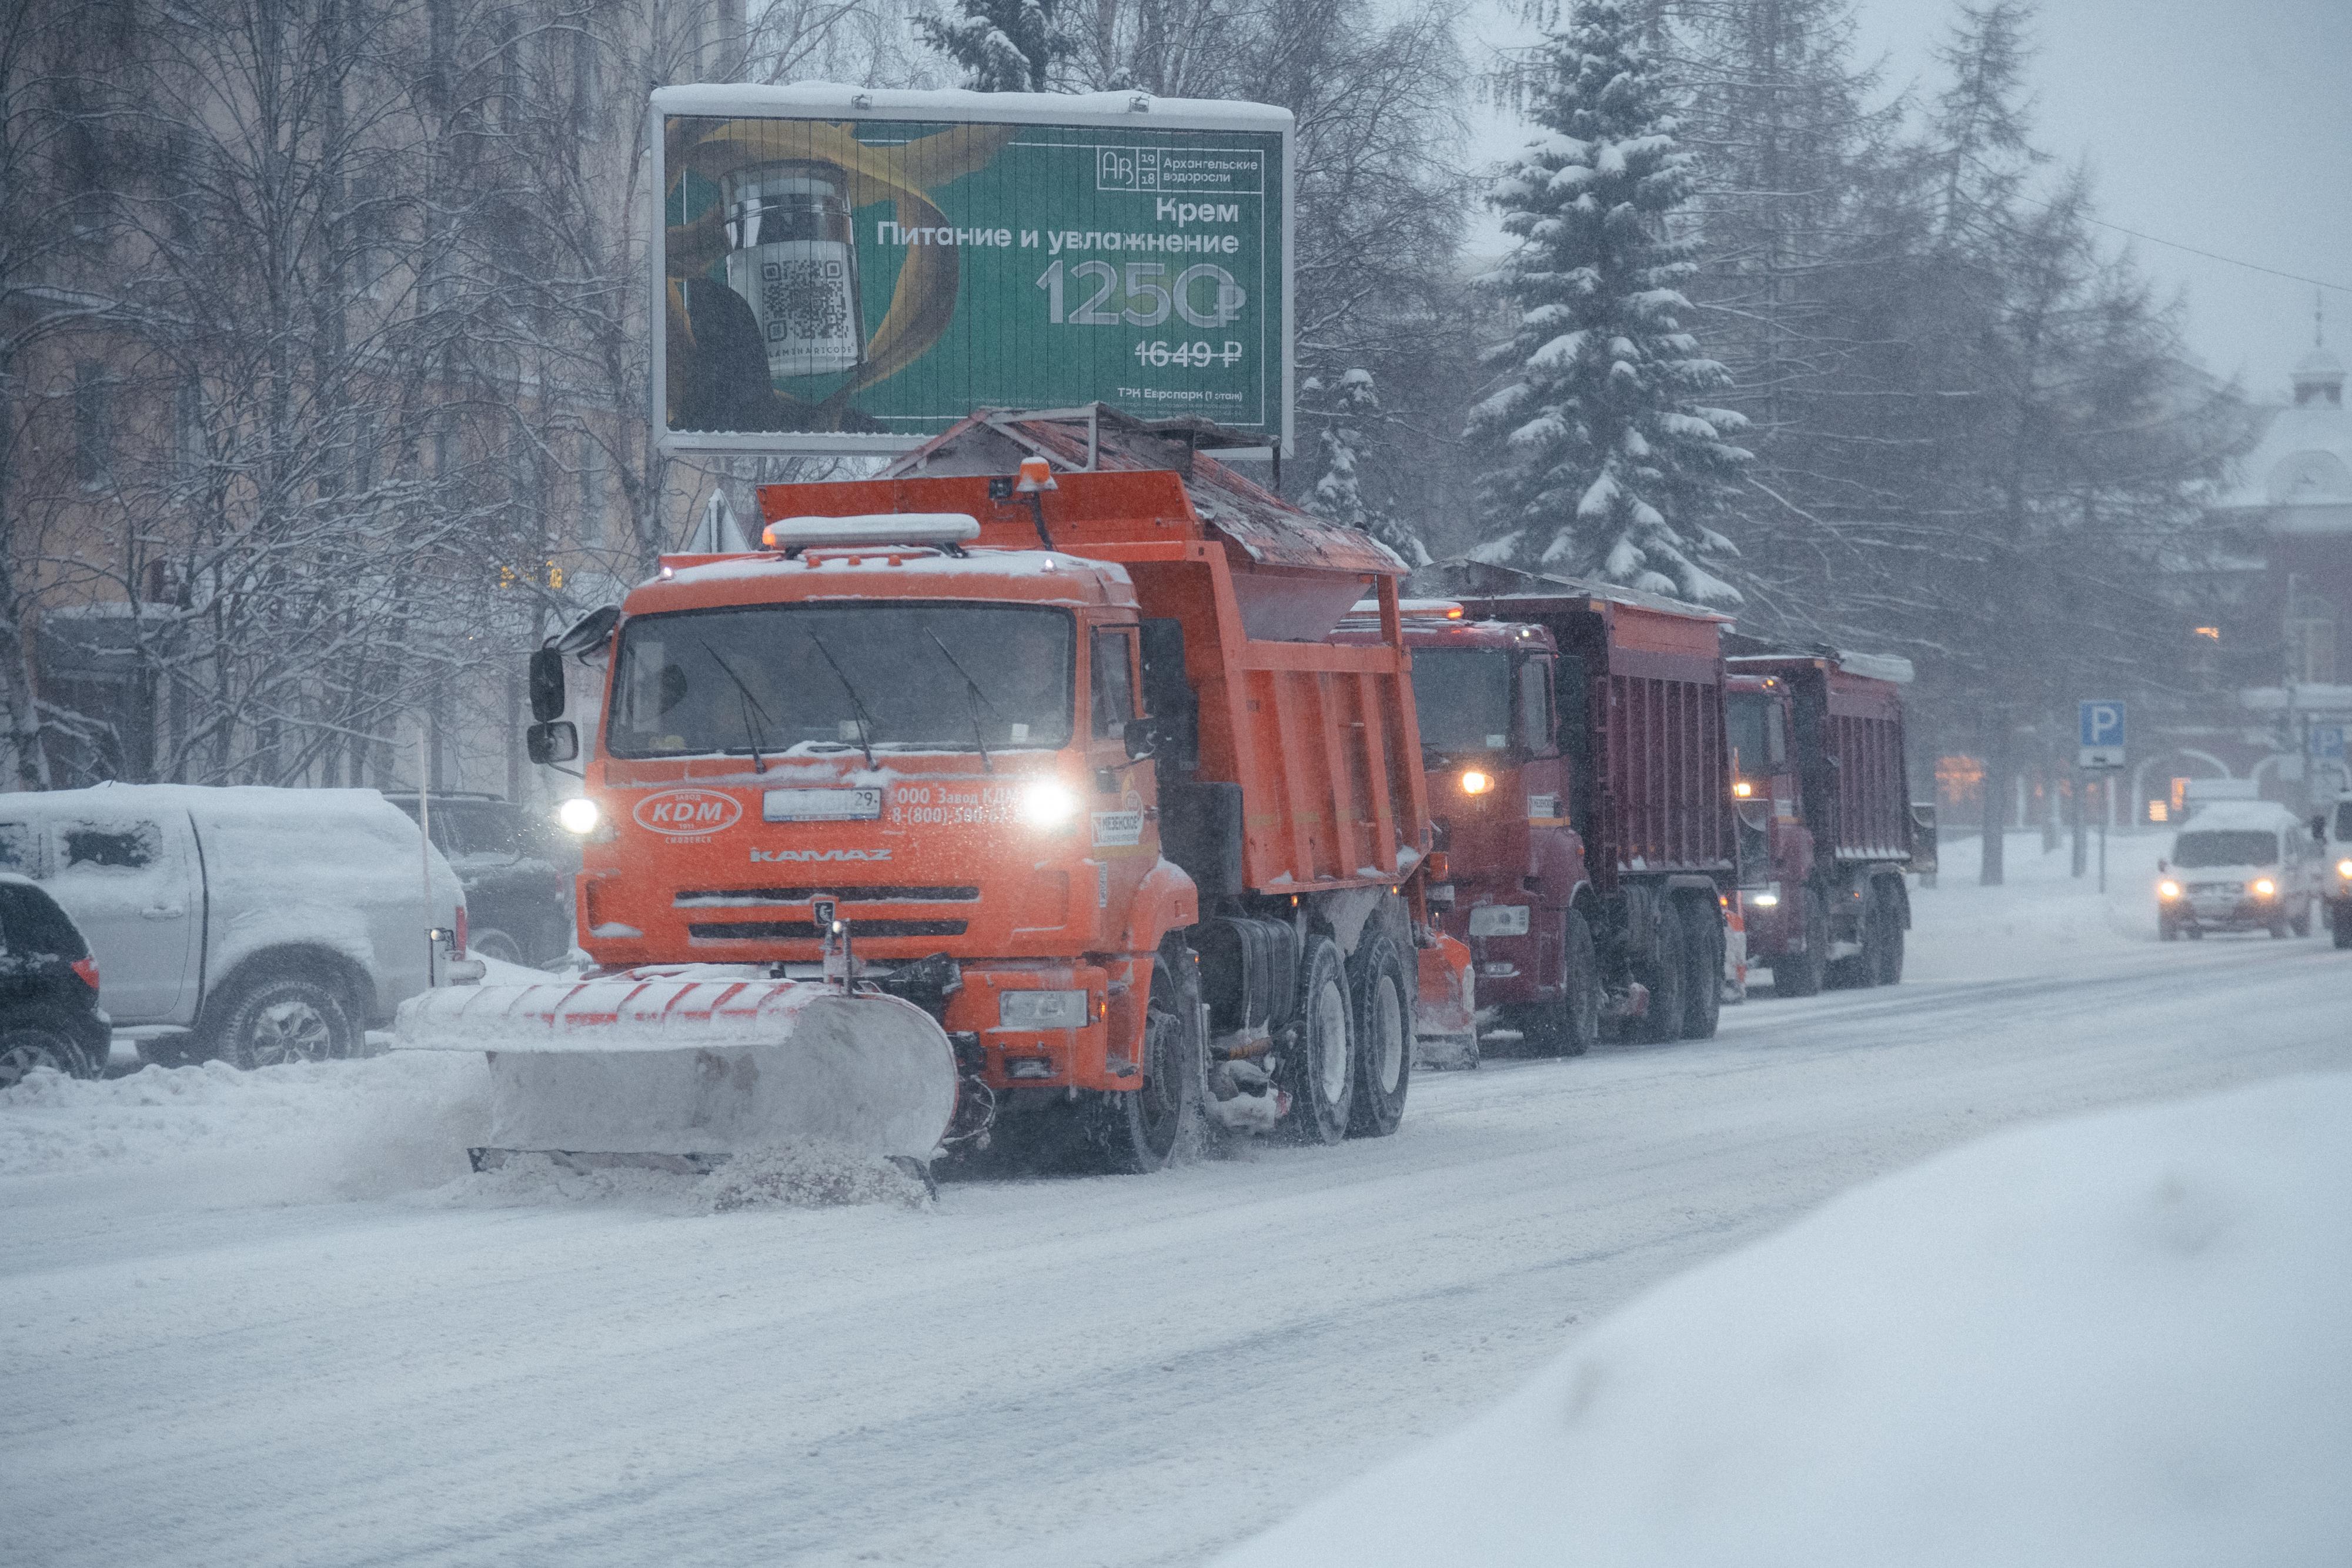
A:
(683, 1067)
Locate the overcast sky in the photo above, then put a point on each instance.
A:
(2225, 125)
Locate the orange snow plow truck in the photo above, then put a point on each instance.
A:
(1032, 805)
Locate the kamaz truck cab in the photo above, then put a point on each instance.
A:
(1826, 824)
(1499, 783)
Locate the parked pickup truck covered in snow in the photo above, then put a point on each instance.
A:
(255, 924)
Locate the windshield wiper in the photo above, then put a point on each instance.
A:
(865, 725)
(749, 704)
(973, 699)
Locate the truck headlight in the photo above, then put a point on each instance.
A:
(2168, 888)
(1476, 782)
(2343, 870)
(1499, 920)
(1048, 803)
(579, 815)
(2264, 887)
(1767, 899)
(1041, 1009)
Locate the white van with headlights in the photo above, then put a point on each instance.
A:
(2332, 829)
(2239, 865)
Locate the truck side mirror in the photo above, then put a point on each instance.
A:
(546, 684)
(2318, 829)
(552, 741)
(2163, 866)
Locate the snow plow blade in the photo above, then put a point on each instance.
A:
(679, 1070)
(1445, 1020)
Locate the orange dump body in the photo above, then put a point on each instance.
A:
(931, 851)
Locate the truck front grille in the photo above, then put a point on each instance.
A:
(806, 930)
(756, 897)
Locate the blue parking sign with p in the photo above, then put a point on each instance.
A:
(2102, 733)
(2102, 724)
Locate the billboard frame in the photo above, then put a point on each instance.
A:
(838, 101)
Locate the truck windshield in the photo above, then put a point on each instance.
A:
(825, 677)
(2225, 846)
(1750, 718)
(1463, 697)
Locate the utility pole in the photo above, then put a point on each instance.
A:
(2082, 788)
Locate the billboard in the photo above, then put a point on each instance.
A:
(845, 270)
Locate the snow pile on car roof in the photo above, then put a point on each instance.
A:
(2126, 1338)
(2261, 816)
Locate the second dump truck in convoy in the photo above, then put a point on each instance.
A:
(1057, 766)
(1824, 807)
(1579, 784)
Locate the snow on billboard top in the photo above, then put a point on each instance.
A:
(855, 270)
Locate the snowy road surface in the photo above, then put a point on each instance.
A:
(274, 1326)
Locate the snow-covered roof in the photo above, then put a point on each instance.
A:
(1102, 439)
(841, 100)
(2301, 465)
(2258, 816)
(1475, 578)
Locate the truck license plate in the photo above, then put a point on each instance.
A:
(822, 806)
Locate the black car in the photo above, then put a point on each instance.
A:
(48, 988)
(518, 869)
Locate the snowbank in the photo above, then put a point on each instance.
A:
(340, 1131)
(2043, 920)
(305, 1132)
(2126, 1339)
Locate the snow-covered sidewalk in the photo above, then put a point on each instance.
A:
(2124, 1338)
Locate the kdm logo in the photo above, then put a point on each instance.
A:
(683, 814)
(759, 855)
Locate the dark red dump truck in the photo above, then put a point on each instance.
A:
(1580, 794)
(1824, 807)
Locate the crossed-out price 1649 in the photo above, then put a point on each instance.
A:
(1160, 352)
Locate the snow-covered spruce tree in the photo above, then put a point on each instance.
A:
(1003, 45)
(1604, 458)
(1344, 409)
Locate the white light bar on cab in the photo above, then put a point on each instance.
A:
(872, 529)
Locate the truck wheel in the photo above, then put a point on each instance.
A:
(2301, 923)
(2339, 923)
(1800, 974)
(1141, 1130)
(495, 944)
(1703, 947)
(1667, 976)
(42, 1043)
(1384, 1042)
(2166, 930)
(1569, 1026)
(1319, 1067)
(1891, 942)
(284, 1017)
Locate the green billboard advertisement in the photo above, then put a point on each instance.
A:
(850, 271)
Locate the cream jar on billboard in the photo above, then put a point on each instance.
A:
(792, 255)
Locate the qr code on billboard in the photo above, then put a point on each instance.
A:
(805, 299)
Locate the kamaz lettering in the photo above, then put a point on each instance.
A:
(759, 855)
